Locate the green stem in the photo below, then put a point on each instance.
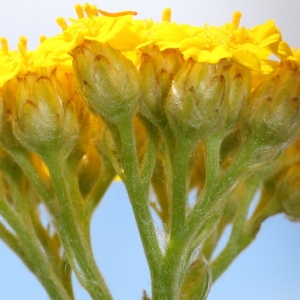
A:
(179, 251)
(149, 160)
(239, 239)
(212, 165)
(138, 191)
(208, 201)
(180, 163)
(22, 158)
(235, 247)
(162, 186)
(50, 248)
(34, 255)
(25, 206)
(169, 281)
(177, 255)
(14, 244)
(70, 172)
(103, 182)
(73, 236)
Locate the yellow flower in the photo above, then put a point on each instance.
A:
(11, 62)
(248, 47)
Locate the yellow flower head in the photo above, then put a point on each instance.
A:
(12, 62)
(248, 47)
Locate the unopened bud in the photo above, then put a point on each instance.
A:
(272, 113)
(45, 117)
(84, 116)
(238, 92)
(108, 81)
(157, 72)
(195, 100)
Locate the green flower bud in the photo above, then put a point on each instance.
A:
(272, 114)
(108, 81)
(157, 71)
(238, 92)
(200, 96)
(84, 116)
(45, 116)
(288, 192)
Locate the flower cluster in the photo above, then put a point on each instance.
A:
(248, 47)
(179, 108)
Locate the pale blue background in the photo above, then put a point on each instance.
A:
(268, 270)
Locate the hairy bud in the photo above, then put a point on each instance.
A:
(157, 71)
(45, 116)
(195, 101)
(108, 81)
(272, 114)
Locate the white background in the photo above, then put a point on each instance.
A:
(268, 270)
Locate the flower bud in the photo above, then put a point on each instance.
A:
(108, 80)
(195, 100)
(157, 71)
(272, 114)
(288, 192)
(238, 92)
(45, 116)
(84, 116)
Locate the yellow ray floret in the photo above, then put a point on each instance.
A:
(248, 47)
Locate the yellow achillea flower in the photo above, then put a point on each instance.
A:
(12, 62)
(248, 47)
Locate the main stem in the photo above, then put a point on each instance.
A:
(176, 257)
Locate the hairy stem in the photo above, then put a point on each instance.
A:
(74, 237)
(33, 255)
(138, 191)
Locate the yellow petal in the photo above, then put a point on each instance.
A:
(247, 59)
